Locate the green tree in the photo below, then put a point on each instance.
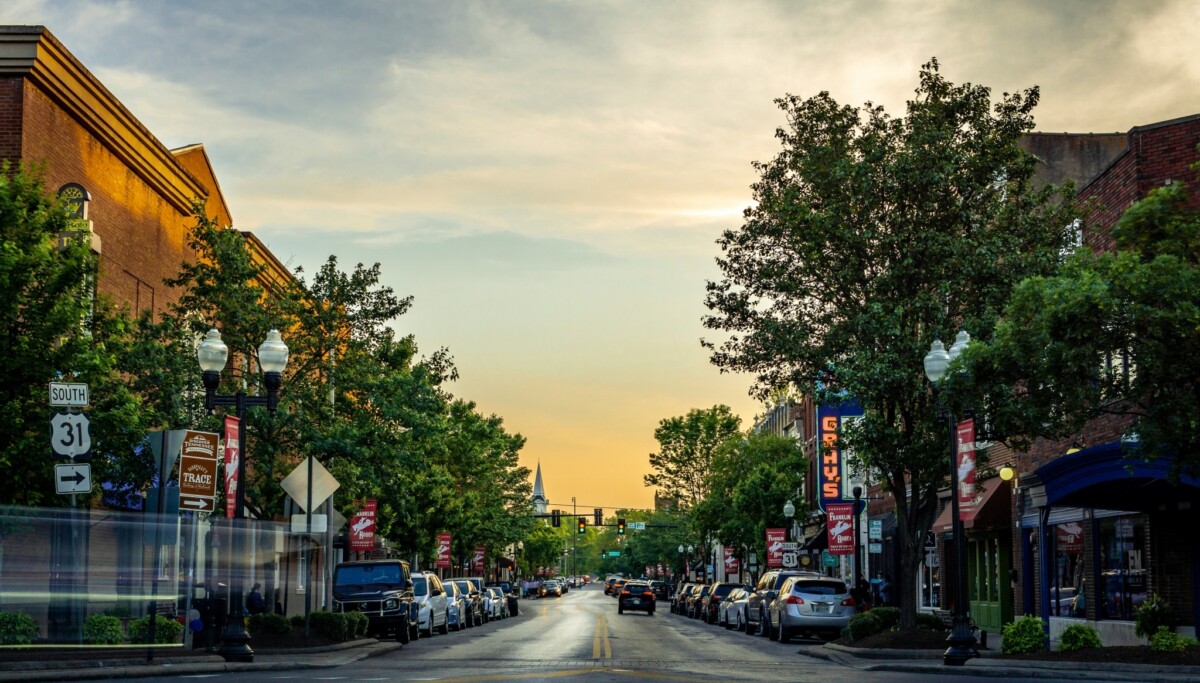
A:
(1112, 333)
(687, 446)
(751, 480)
(869, 237)
(54, 330)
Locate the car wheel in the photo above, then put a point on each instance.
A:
(782, 634)
(620, 609)
(773, 633)
(445, 627)
(651, 612)
(403, 635)
(765, 625)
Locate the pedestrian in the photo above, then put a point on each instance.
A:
(255, 602)
(861, 595)
(885, 590)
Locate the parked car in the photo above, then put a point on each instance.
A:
(458, 609)
(512, 592)
(432, 603)
(495, 603)
(696, 599)
(810, 605)
(709, 603)
(661, 593)
(474, 601)
(680, 598)
(764, 594)
(381, 590)
(731, 611)
(636, 595)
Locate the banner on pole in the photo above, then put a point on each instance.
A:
(839, 520)
(233, 453)
(443, 551)
(362, 526)
(775, 540)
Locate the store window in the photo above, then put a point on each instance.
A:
(1066, 586)
(1122, 572)
(930, 585)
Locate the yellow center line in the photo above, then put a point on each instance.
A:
(600, 638)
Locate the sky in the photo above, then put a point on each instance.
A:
(548, 179)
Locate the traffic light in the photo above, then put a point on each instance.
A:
(555, 521)
(582, 525)
(620, 526)
(598, 517)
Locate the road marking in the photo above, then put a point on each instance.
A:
(601, 637)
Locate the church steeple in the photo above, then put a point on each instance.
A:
(539, 494)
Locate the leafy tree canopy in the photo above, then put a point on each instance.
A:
(687, 446)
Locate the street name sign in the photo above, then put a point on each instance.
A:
(68, 395)
(70, 435)
(73, 478)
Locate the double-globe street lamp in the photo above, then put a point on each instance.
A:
(687, 560)
(962, 639)
(272, 359)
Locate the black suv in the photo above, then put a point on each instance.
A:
(636, 595)
(380, 590)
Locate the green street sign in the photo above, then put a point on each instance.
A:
(614, 553)
(827, 559)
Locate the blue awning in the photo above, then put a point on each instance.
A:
(1113, 476)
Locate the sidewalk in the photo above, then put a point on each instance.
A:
(989, 664)
(129, 668)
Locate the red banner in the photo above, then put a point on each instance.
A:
(362, 526)
(731, 562)
(477, 560)
(775, 540)
(966, 470)
(233, 452)
(443, 551)
(839, 520)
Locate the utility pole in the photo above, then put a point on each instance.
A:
(573, 538)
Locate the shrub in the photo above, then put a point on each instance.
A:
(166, 631)
(1079, 637)
(1166, 640)
(270, 623)
(864, 624)
(360, 623)
(888, 617)
(1153, 615)
(336, 625)
(1026, 634)
(103, 629)
(17, 628)
(930, 622)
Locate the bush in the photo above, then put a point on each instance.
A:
(103, 629)
(270, 623)
(338, 626)
(864, 624)
(1153, 615)
(166, 631)
(888, 617)
(17, 628)
(360, 622)
(1079, 637)
(1026, 634)
(930, 622)
(1166, 640)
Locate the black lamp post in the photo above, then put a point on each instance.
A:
(962, 639)
(272, 358)
(857, 569)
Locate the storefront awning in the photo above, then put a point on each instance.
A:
(992, 509)
(1111, 475)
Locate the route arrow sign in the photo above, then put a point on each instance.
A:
(73, 478)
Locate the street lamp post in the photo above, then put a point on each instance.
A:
(962, 639)
(854, 523)
(272, 359)
(789, 511)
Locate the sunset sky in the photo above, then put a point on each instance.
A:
(548, 179)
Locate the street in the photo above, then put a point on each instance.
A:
(581, 637)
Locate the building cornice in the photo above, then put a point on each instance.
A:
(34, 53)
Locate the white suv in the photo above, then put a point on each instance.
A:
(434, 605)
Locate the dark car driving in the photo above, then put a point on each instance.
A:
(636, 595)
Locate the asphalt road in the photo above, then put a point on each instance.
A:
(580, 637)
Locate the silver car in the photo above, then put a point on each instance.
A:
(809, 605)
(434, 605)
(458, 611)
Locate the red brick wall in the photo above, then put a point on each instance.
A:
(1156, 154)
(10, 117)
(142, 234)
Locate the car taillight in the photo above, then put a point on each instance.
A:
(794, 600)
(624, 592)
(848, 602)
(649, 594)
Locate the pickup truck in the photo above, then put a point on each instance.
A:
(382, 591)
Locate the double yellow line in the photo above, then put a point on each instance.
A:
(600, 640)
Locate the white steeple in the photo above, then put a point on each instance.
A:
(539, 494)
